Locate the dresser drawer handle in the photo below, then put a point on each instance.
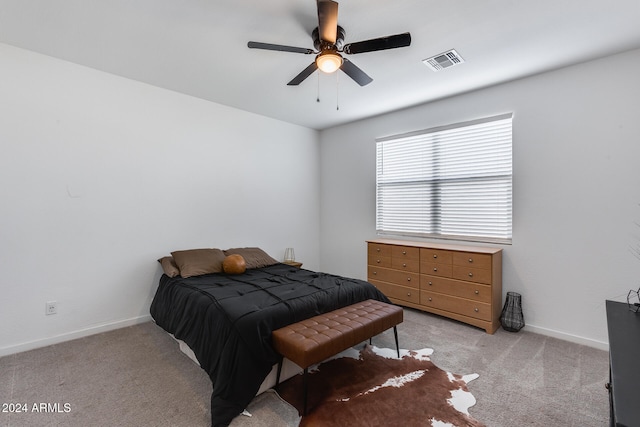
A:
(470, 274)
(404, 252)
(430, 283)
(435, 268)
(477, 292)
(377, 249)
(435, 255)
(476, 310)
(408, 294)
(408, 279)
(375, 273)
(430, 299)
(404, 265)
(470, 259)
(378, 261)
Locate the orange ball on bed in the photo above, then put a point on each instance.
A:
(234, 264)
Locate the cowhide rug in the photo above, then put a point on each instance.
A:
(373, 387)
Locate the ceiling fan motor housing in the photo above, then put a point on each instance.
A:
(322, 45)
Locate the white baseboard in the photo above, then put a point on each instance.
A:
(5, 351)
(105, 327)
(568, 337)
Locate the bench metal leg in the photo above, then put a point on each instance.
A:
(279, 372)
(304, 384)
(395, 335)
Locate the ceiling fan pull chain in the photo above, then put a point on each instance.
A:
(337, 92)
(318, 97)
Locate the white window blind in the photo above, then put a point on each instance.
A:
(447, 182)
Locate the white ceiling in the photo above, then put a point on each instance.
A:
(199, 47)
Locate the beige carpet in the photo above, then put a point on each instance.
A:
(136, 376)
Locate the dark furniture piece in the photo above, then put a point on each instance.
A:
(313, 340)
(624, 364)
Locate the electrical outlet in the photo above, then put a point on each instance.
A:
(51, 307)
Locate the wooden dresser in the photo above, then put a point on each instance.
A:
(456, 281)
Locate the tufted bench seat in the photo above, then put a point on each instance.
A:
(313, 340)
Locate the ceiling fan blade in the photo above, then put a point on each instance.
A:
(279, 47)
(328, 20)
(351, 70)
(382, 43)
(303, 75)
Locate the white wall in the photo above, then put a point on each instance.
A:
(576, 148)
(100, 176)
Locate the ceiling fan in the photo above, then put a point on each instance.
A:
(328, 40)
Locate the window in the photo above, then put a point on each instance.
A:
(449, 182)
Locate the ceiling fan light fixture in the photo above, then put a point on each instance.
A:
(329, 62)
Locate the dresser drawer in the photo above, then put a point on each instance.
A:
(380, 250)
(436, 255)
(472, 259)
(405, 252)
(398, 292)
(479, 275)
(472, 291)
(406, 264)
(380, 261)
(442, 270)
(475, 309)
(394, 276)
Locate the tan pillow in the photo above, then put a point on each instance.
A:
(196, 262)
(169, 266)
(253, 257)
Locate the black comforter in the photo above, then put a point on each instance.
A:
(227, 321)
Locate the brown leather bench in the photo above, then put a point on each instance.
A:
(313, 340)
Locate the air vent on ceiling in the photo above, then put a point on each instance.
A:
(444, 60)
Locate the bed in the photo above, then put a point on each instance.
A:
(227, 319)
